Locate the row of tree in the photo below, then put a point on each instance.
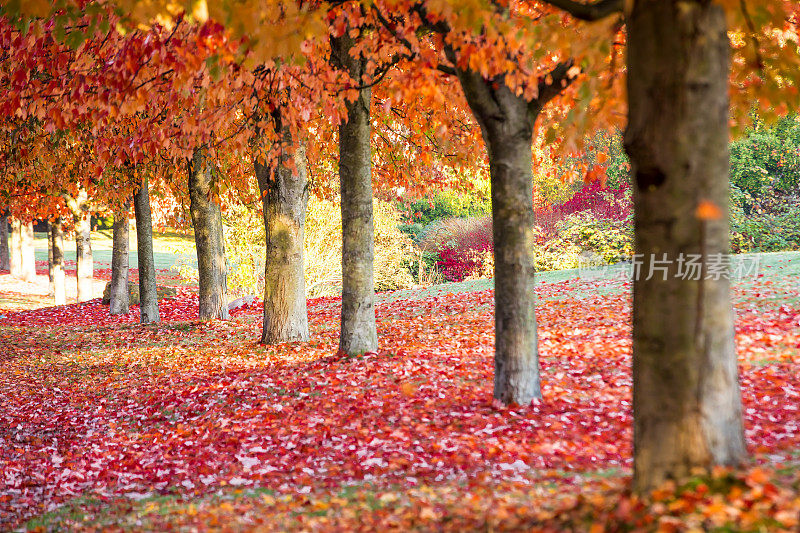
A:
(94, 110)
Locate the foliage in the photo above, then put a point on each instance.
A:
(766, 161)
(582, 239)
(769, 224)
(461, 244)
(445, 204)
(245, 249)
(604, 204)
(190, 422)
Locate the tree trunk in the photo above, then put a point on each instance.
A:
(27, 253)
(506, 122)
(148, 299)
(5, 263)
(686, 399)
(56, 239)
(119, 297)
(51, 288)
(358, 331)
(85, 263)
(209, 240)
(285, 200)
(15, 252)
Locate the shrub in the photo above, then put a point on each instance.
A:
(603, 203)
(766, 161)
(460, 244)
(443, 205)
(583, 235)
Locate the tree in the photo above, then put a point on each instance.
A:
(81, 218)
(358, 332)
(687, 406)
(22, 260)
(208, 238)
(56, 245)
(4, 257)
(119, 294)
(148, 298)
(284, 193)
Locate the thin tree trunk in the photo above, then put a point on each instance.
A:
(285, 200)
(85, 263)
(27, 253)
(56, 238)
(51, 288)
(119, 296)
(15, 252)
(5, 261)
(686, 399)
(506, 122)
(358, 330)
(209, 240)
(148, 298)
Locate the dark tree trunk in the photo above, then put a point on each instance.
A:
(209, 239)
(285, 199)
(27, 253)
(51, 268)
(358, 331)
(56, 238)
(686, 399)
(148, 299)
(15, 252)
(4, 253)
(83, 252)
(119, 297)
(506, 122)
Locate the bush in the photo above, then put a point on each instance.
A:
(766, 161)
(772, 225)
(603, 203)
(583, 237)
(443, 205)
(244, 246)
(460, 243)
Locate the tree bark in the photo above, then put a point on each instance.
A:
(15, 252)
(358, 333)
(27, 253)
(686, 399)
(148, 299)
(506, 122)
(56, 239)
(5, 260)
(51, 288)
(209, 239)
(119, 296)
(285, 200)
(83, 252)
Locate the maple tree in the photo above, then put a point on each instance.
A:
(687, 362)
(687, 407)
(4, 256)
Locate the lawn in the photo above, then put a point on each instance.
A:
(168, 248)
(108, 424)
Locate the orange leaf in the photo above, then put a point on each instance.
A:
(707, 210)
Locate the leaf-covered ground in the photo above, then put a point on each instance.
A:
(107, 424)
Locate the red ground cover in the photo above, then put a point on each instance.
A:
(100, 406)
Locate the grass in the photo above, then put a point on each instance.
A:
(169, 249)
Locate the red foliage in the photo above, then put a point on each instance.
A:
(603, 202)
(462, 254)
(98, 405)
